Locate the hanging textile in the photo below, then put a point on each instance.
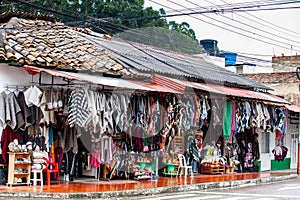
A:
(78, 108)
(10, 111)
(227, 119)
(8, 135)
(233, 121)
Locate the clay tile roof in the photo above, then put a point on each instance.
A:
(53, 45)
(6, 16)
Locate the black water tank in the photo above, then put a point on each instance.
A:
(211, 46)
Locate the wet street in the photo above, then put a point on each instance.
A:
(289, 189)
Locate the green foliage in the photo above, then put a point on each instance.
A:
(162, 38)
(106, 16)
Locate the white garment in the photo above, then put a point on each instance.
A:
(91, 106)
(260, 115)
(267, 115)
(204, 109)
(33, 96)
(46, 114)
(107, 149)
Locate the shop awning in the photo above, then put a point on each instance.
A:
(94, 79)
(166, 82)
(159, 88)
(162, 84)
(35, 70)
(238, 92)
(108, 81)
(293, 108)
(230, 91)
(169, 87)
(122, 83)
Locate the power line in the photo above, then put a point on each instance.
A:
(56, 12)
(116, 27)
(244, 5)
(101, 19)
(214, 10)
(267, 42)
(267, 23)
(296, 34)
(278, 36)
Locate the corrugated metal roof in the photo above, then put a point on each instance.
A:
(150, 59)
(58, 46)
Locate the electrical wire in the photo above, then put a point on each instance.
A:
(116, 27)
(266, 23)
(288, 30)
(56, 12)
(74, 17)
(237, 6)
(247, 57)
(219, 26)
(254, 27)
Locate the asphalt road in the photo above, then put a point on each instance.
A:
(289, 189)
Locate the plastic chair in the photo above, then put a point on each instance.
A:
(183, 165)
(35, 178)
(51, 167)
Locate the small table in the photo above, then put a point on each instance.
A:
(170, 169)
(143, 164)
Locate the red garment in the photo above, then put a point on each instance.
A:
(7, 137)
(59, 156)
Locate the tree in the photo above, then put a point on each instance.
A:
(106, 16)
(162, 38)
(183, 28)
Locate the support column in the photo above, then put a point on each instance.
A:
(298, 160)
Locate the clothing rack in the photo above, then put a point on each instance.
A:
(16, 86)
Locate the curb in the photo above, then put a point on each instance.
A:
(150, 191)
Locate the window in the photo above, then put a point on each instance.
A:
(265, 142)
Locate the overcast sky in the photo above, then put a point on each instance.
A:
(277, 39)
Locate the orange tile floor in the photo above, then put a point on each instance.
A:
(92, 185)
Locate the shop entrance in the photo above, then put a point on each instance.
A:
(265, 151)
(294, 150)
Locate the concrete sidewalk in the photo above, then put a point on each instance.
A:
(81, 189)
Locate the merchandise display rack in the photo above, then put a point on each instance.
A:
(19, 167)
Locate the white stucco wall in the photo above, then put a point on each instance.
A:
(14, 76)
(247, 69)
(10, 75)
